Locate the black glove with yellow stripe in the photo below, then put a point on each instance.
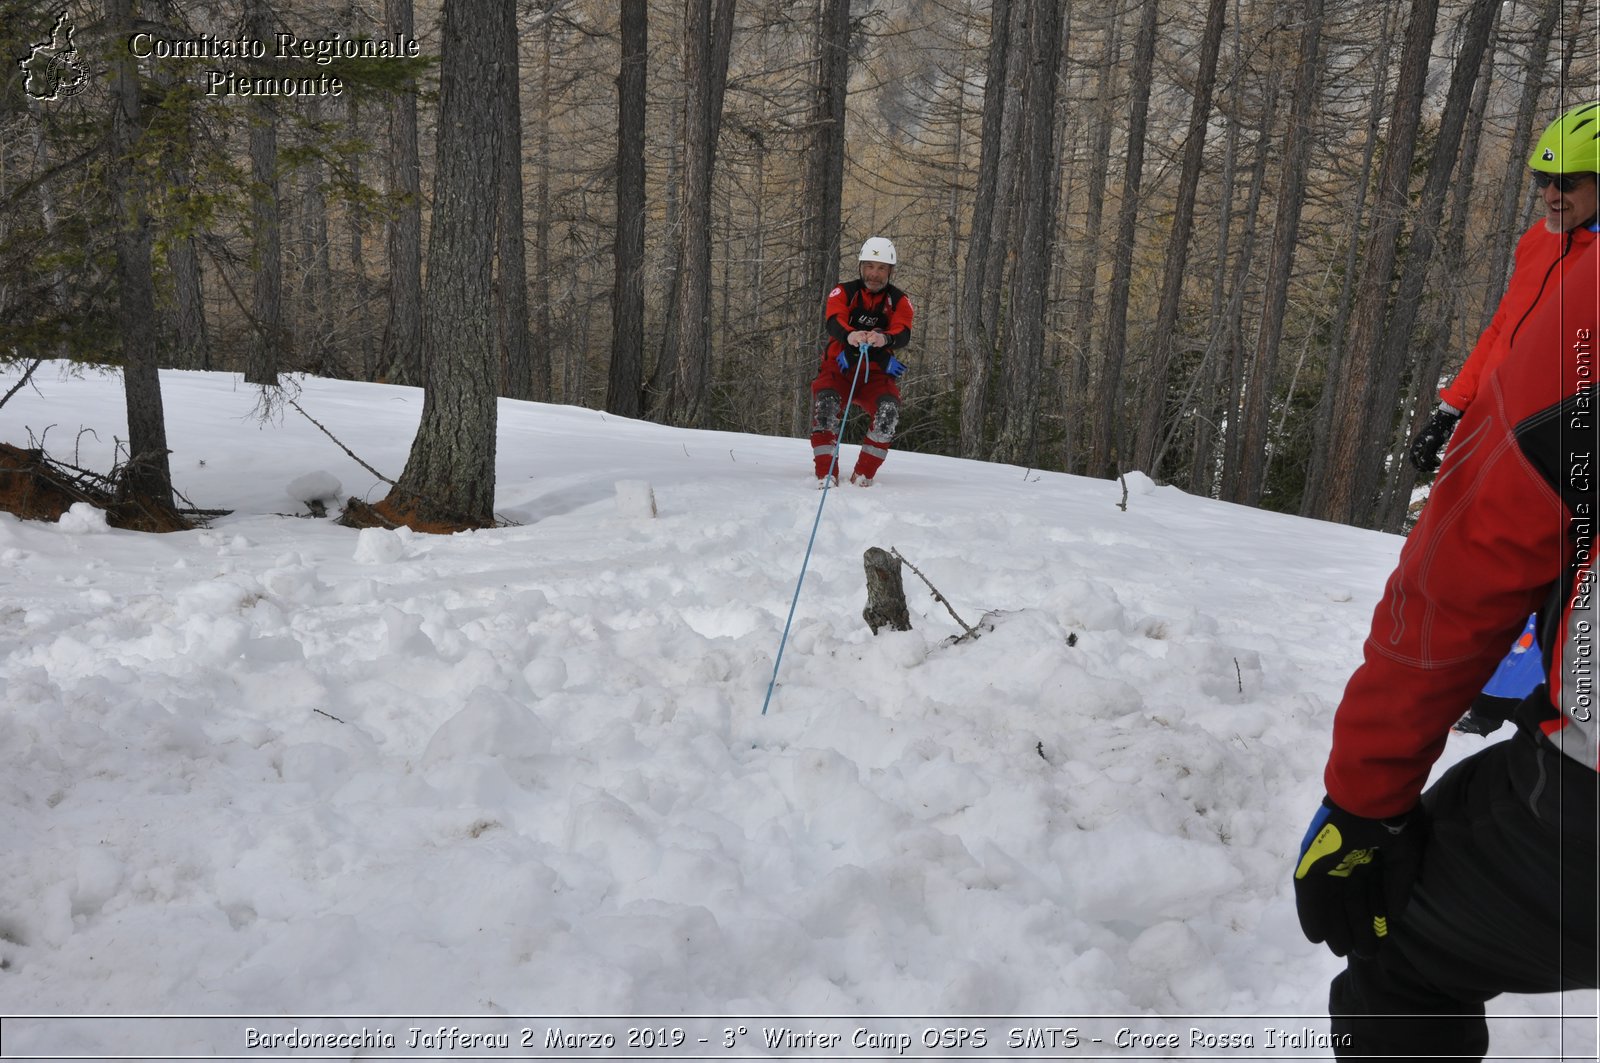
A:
(1354, 877)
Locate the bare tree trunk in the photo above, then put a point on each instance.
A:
(1019, 424)
(1396, 345)
(1153, 418)
(1396, 342)
(192, 345)
(1208, 407)
(266, 309)
(448, 482)
(1349, 492)
(512, 273)
(709, 36)
(996, 162)
(1280, 264)
(1322, 418)
(361, 286)
(824, 180)
(1230, 330)
(542, 355)
(626, 379)
(1513, 188)
(401, 356)
(1078, 412)
(316, 317)
(1107, 458)
(148, 475)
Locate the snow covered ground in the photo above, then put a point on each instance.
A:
(281, 768)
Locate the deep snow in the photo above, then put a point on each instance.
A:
(281, 768)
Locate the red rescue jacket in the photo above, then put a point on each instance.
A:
(851, 308)
(1509, 527)
(1537, 254)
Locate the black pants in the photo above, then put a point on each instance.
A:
(1504, 903)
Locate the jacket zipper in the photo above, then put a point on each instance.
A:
(1567, 246)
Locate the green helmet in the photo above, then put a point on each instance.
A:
(1571, 144)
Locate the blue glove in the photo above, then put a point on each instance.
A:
(895, 366)
(1354, 877)
(843, 361)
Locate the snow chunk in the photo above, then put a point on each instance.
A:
(492, 725)
(635, 498)
(379, 546)
(1139, 484)
(316, 486)
(83, 519)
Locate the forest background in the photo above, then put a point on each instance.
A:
(1234, 244)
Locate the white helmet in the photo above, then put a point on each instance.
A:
(878, 249)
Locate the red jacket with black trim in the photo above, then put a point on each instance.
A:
(1531, 276)
(1508, 528)
(851, 307)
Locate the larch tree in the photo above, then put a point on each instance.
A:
(511, 273)
(1107, 457)
(1261, 387)
(147, 475)
(626, 377)
(824, 178)
(1347, 492)
(708, 33)
(448, 482)
(268, 337)
(1151, 431)
(401, 351)
(1030, 279)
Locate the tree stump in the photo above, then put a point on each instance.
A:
(886, 594)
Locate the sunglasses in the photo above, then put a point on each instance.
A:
(1566, 183)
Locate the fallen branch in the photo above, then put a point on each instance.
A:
(342, 447)
(941, 599)
(1123, 505)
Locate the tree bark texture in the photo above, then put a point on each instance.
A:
(1080, 414)
(1108, 458)
(709, 35)
(1153, 418)
(824, 181)
(886, 593)
(266, 309)
(401, 354)
(448, 482)
(1514, 185)
(1280, 262)
(1030, 279)
(148, 475)
(1349, 492)
(626, 379)
(511, 275)
(997, 162)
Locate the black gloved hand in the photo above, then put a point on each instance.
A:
(1355, 876)
(1424, 451)
(1476, 723)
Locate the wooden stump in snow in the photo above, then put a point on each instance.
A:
(886, 595)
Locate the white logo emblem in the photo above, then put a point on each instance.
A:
(53, 70)
(1548, 156)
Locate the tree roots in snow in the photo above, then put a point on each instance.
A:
(33, 486)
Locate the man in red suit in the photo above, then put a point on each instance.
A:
(867, 311)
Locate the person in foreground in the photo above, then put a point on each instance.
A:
(1486, 883)
(868, 321)
(1568, 225)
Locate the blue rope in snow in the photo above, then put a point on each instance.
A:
(827, 485)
